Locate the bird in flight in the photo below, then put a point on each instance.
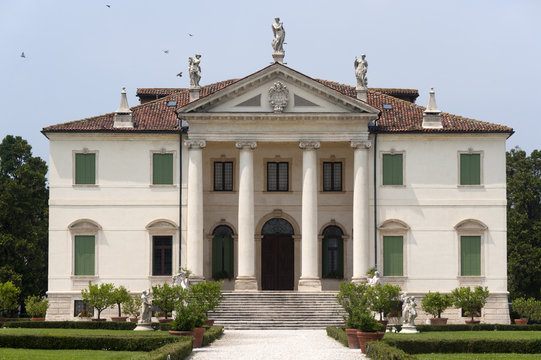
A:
(108, 6)
(166, 51)
(190, 34)
(179, 74)
(23, 55)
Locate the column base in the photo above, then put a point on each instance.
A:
(309, 285)
(195, 279)
(359, 280)
(245, 283)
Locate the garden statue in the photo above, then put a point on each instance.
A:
(375, 279)
(361, 67)
(279, 36)
(194, 69)
(409, 313)
(146, 308)
(181, 279)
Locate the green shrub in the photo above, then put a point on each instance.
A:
(132, 306)
(353, 297)
(435, 303)
(164, 326)
(166, 297)
(119, 296)
(105, 325)
(177, 350)
(383, 298)
(479, 327)
(99, 296)
(470, 301)
(364, 321)
(421, 346)
(378, 350)
(114, 343)
(36, 306)
(188, 317)
(9, 295)
(527, 308)
(338, 334)
(215, 332)
(208, 294)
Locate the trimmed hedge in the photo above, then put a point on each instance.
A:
(213, 333)
(115, 343)
(379, 350)
(177, 351)
(420, 346)
(338, 334)
(479, 327)
(164, 326)
(102, 325)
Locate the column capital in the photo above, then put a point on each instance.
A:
(195, 144)
(246, 145)
(361, 144)
(309, 145)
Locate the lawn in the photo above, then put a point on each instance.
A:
(477, 356)
(24, 354)
(89, 332)
(454, 335)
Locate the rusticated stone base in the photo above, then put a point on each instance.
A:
(246, 284)
(309, 285)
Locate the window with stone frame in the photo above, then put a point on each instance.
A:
(278, 176)
(162, 255)
(332, 176)
(223, 176)
(332, 262)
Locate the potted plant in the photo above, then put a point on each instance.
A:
(99, 297)
(382, 299)
(435, 303)
(353, 298)
(189, 319)
(85, 315)
(119, 296)
(470, 301)
(36, 307)
(368, 328)
(132, 307)
(525, 308)
(208, 295)
(9, 293)
(166, 297)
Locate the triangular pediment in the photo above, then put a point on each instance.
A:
(277, 89)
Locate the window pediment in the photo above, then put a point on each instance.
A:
(393, 225)
(162, 225)
(84, 225)
(470, 225)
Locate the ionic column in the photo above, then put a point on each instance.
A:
(246, 279)
(309, 280)
(194, 236)
(361, 241)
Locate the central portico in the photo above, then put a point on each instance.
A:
(271, 119)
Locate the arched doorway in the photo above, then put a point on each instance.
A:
(277, 255)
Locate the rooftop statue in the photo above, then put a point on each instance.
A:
(361, 67)
(279, 36)
(194, 70)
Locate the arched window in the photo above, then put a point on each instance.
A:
(332, 261)
(277, 226)
(222, 253)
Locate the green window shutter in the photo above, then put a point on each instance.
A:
(470, 255)
(84, 255)
(393, 256)
(216, 255)
(325, 256)
(341, 257)
(228, 256)
(162, 169)
(85, 168)
(392, 169)
(470, 169)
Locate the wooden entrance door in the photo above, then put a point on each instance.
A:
(277, 272)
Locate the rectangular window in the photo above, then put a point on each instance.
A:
(85, 168)
(332, 176)
(162, 169)
(470, 169)
(162, 255)
(84, 255)
(82, 309)
(223, 176)
(393, 256)
(470, 255)
(392, 169)
(277, 176)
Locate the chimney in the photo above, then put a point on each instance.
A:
(123, 115)
(432, 116)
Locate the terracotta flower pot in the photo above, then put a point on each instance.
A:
(522, 321)
(353, 341)
(134, 319)
(438, 321)
(209, 322)
(100, 320)
(119, 318)
(37, 319)
(365, 337)
(165, 320)
(181, 333)
(198, 337)
(472, 322)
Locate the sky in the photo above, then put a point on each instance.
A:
(483, 57)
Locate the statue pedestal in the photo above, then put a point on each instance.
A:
(143, 327)
(278, 57)
(362, 93)
(409, 329)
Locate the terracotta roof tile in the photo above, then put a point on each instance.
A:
(156, 116)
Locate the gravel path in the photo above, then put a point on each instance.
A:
(276, 344)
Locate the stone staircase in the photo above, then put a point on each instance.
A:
(278, 310)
